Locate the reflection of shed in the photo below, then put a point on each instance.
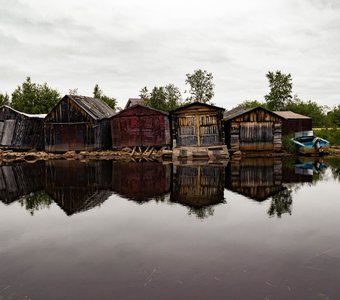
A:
(197, 124)
(78, 123)
(140, 181)
(78, 186)
(140, 126)
(19, 179)
(293, 122)
(256, 178)
(198, 186)
(252, 129)
(21, 131)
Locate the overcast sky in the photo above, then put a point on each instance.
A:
(124, 45)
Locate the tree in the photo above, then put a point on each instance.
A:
(252, 104)
(334, 116)
(280, 90)
(163, 98)
(34, 98)
(201, 86)
(308, 108)
(98, 93)
(4, 99)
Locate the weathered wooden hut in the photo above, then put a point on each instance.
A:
(141, 182)
(140, 126)
(197, 130)
(21, 131)
(253, 129)
(293, 122)
(78, 123)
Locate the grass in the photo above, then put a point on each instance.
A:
(331, 135)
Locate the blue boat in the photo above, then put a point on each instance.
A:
(308, 143)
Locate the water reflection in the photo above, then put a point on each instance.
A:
(141, 182)
(79, 186)
(199, 187)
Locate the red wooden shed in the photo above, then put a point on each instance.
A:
(140, 126)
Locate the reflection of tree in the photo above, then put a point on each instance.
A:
(334, 163)
(202, 212)
(36, 201)
(281, 203)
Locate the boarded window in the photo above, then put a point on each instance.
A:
(254, 132)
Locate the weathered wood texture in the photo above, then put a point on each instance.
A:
(197, 186)
(140, 126)
(290, 126)
(78, 123)
(19, 179)
(197, 124)
(257, 179)
(20, 131)
(140, 181)
(78, 186)
(258, 129)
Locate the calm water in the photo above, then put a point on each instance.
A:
(250, 229)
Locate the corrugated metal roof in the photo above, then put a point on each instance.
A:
(40, 116)
(290, 115)
(145, 106)
(93, 106)
(237, 111)
(134, 101)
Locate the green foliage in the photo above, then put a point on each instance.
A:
(331, 135)
(307, 108)
(280, 90)
(4, 99)
(163, 98)
(281, 203)
(98, 93)
(36, 201)
(334, 116)
(34, 98)
(252, 104)
(201, 86)
(288, 145)
(334, 163)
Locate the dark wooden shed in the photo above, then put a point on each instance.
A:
(21, 131)
(78, 123)
(252, 129)
(140, 126)
(293, 122)
(197, 124)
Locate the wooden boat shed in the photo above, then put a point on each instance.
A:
(78, 123)
(197, 131)
(253, 129)
(293, 122)
(140, 126)
(21, 131)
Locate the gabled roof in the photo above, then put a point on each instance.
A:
(134, 101)
(197, 103)
(290, 115)
(239, 111)
(94, 107)
(143, 106)
(40, 116)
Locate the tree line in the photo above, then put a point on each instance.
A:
(36, 98)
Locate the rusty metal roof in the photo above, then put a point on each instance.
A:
(96, 108)
(134, 101)
(290, 115)
(39, 116)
